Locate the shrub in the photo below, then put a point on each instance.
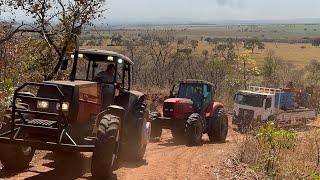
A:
(273, 141)
(263, 151)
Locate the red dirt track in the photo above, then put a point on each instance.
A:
(163, 160)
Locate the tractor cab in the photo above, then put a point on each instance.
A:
(91, 62)
(190, 96)
(86, 93)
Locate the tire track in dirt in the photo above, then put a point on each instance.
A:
(164, 160)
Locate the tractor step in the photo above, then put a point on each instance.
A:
(42, 122)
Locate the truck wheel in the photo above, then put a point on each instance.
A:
(194, 130)
(219, 127)
(107, 145)
(156, 129)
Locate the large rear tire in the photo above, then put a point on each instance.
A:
(140, 140)
(194, 130)
(105, 153)
(136, 135)
(219, 127)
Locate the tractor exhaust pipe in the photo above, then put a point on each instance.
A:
(75, 60)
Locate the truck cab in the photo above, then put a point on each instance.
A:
(253, 105)
(258, 104)
(261, 104)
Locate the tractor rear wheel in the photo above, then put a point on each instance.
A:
(194, 129)
(156, 129)
(137, 132)
(219, 127)
(107, 145)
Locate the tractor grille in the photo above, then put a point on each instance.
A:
(41, 122)
(168, 109)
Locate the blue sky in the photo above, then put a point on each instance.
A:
(210, 10)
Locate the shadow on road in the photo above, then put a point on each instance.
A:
(133, 164)
(63, 166)
(172, 142)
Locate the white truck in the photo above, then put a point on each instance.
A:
(265, 104)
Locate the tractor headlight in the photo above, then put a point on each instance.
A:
(43, 104)
(65, 106)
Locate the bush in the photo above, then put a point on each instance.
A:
(6, 95)
(283, 154)
(263, 151)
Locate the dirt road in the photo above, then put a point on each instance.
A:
(163, 160)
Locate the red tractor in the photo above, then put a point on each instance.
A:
(191, 112)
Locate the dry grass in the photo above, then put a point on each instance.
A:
(292, 53)
(300, 162)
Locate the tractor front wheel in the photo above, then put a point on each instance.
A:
(194, 130)
(107, 145)
(14, 157)
(219, 127)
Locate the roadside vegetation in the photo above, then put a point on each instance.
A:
(282, 154)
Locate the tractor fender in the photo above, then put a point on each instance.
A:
(193, 118)
(114, 110)
(135, 98)
(213, 108)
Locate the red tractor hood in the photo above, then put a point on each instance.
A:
(178, 100)
(177, 108)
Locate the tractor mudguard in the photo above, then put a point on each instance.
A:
(113, 110)
(129, 99)
(193, 118)
(212, 109)
(116, 110)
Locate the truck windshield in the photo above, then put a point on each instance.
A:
(254, 100)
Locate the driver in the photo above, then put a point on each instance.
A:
(197, 98)
(106, 77)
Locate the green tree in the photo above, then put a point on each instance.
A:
(116, 39)
(247, 67)
(313, 71)
(58, 22)
(252, 44)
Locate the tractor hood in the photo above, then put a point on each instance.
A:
(177, 108)
(179, 100)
